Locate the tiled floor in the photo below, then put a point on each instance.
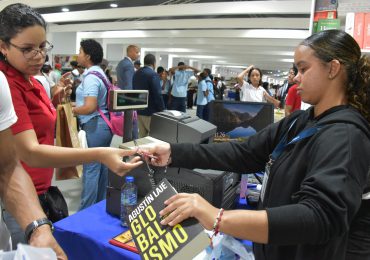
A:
(71, 189)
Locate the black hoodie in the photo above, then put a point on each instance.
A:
(315, 186)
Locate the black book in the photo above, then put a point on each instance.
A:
(155, 241)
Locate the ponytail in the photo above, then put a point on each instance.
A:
(359, 89)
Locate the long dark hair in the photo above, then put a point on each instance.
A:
(16, 17)
(250, 73)
(335, 44)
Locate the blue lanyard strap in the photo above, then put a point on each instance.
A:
(283, 142)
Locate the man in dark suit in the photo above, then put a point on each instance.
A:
(125, 72)
(147, 79)
(125, 69)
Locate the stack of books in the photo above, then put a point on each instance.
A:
(358, 26)
(325, 17)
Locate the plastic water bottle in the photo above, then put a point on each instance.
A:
(128, 198)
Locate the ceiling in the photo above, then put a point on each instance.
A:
(219, 33)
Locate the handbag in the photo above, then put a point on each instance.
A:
(54, 204)
(67, 136)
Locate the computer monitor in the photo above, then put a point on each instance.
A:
(236, 121)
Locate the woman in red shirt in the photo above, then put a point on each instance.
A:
(293, 100)
(23, 47)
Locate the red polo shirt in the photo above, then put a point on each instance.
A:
(293, 99)
(35, 111)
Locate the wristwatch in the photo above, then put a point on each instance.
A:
(34, 225)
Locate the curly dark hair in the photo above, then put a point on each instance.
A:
(94, 49)
(336, 44)
(16, 17)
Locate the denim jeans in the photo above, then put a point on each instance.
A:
(200, 111)
(178, 103)
(206, 111)
(95, 174)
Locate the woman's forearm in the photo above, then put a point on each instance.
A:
(58, 157)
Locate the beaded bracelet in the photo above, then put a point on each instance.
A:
(216, 224)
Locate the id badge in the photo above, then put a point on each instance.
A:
(265, 179)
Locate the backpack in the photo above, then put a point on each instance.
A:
(116, 120)
(212, 89)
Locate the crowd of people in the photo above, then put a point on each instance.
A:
(315, 195)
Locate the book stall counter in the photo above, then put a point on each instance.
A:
(86, 235)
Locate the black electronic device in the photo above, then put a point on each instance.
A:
(128, 99)
(218, 187)
(236, 121)
(178, 127)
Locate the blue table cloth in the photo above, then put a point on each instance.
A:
(86, 235)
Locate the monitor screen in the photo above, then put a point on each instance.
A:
(128, 99)
(236, 121)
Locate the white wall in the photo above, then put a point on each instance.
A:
(64, 42)
(114, 52)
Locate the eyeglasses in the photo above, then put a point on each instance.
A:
(30, 53)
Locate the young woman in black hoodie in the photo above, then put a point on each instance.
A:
(315, 199)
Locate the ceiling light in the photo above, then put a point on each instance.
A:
(64, 9)
(113, 5)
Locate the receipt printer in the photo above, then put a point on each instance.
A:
(178, 127)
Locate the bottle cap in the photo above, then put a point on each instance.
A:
(129, 179)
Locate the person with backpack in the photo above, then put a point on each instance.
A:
(91, 95)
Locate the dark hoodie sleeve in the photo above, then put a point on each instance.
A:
(330, 194)
(249, 156)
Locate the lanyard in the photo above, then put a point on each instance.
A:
(280, 148)
(283, 143)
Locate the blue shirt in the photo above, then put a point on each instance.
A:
(180, 84)
(92, 86)
(201, 98)
(211, 95)
(167, 86)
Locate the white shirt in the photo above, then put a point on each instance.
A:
(45, 83)
(7, 113)
(250, 93)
